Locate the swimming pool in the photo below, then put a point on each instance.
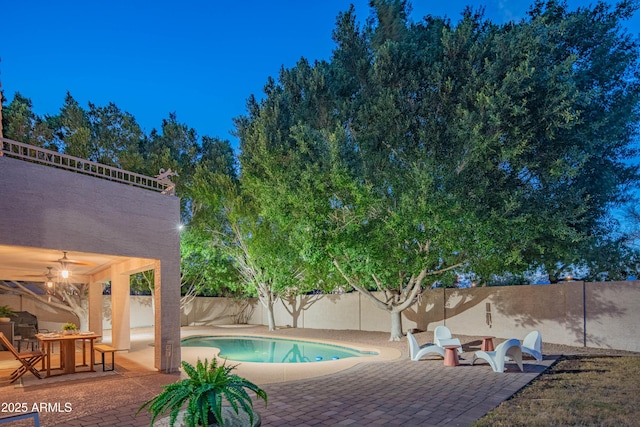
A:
(273, 350)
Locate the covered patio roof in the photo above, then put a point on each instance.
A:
(25, 264)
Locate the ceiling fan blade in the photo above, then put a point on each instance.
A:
(87, 263)
(66, 260)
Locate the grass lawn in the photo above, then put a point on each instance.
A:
(577, 390)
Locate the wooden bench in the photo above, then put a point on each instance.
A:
(102, 349)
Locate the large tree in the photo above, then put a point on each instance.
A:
(73, 129)
(267, 265)
(21, 124)
(424, 149)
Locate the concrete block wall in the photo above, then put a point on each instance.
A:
(214, 311)
(610, 315)
(141, 312)
(600, 315)
(613, 315)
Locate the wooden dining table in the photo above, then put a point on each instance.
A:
(67, 342)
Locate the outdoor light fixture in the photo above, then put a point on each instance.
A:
(50, 284)
(64, 266)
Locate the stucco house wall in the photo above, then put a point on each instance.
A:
(45, 207)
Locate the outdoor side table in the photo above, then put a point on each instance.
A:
(451, 355)
(487, 344)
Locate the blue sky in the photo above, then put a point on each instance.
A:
(199, 59)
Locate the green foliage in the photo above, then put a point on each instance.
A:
(419, 150)
(507, 280)
(203, 393)
(205, 269)
(105, 135)
(73, 129)
(21, 124)
(69, 327)
(6, 311)
(110, 136)
(425, 148)
(265, 262)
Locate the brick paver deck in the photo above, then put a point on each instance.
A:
(400, 392)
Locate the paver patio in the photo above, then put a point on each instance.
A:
(397, 392)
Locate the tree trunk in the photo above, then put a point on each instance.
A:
(267, 299)
(83, 319)
(271, 317)
(396, 325)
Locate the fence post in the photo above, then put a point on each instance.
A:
(584, 314)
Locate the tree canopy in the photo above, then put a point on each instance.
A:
(420, 149)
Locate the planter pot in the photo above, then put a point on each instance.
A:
(68, 332)
(231, 419)
(5, 319)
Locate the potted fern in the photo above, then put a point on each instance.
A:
(5, 313)
(203, 391)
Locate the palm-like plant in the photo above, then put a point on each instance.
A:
(6, 311)
(203, 392)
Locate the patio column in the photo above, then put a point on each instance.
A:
(120, 311)
(95, 307)
(167, 314)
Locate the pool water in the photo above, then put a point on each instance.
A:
(273, 350)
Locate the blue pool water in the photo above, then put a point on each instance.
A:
(273, 350)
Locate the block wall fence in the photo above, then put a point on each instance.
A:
(582, 314)
(600, 314)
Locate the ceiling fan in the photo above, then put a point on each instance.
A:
(50, 284)
(66, 262)
(49, 276)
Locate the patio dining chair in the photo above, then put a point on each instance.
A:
(27, 359)
(28, 337)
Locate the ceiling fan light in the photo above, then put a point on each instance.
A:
(64, 274)
(50, 284)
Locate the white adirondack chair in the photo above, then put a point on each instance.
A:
(442, 336)
(532, 345)
(417, 351)
(508, 350)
